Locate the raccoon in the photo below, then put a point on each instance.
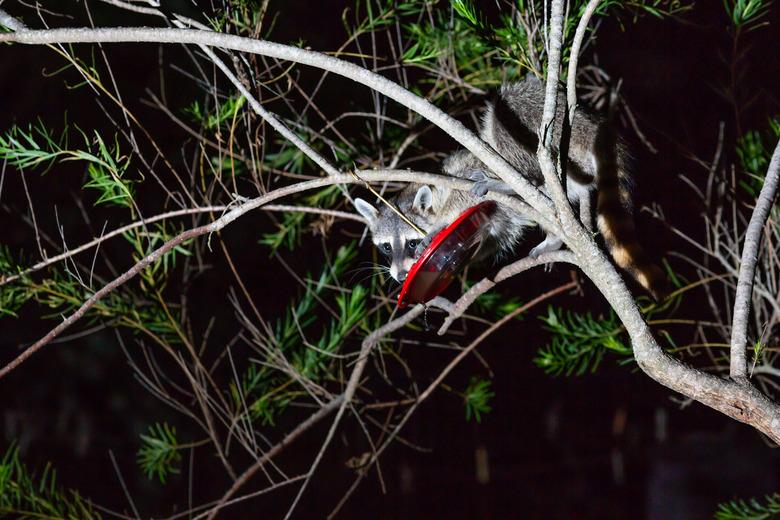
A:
(598, 160)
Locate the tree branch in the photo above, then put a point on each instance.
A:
(444, 373)
(574, 56)
(469, 297)
(545, 149)
(741, 402)
(274, 451)
(285, 52)
(163, 216)
(217, 225)
(747, 268)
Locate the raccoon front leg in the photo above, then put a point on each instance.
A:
(550, 243)
(484, 184)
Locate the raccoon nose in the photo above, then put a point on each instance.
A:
(402, 275)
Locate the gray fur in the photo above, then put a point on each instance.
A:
(509, 125)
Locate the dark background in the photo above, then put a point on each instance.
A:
(609, 445)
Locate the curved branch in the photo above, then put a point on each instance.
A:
(574, 56)
(274, 451)
(467, 299)
(739, 401)
(747, 267)
(315, 59)
(354, 379)
(163, 216)
(217, 225)
(545, 148)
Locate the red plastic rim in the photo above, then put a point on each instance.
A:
(487, 207)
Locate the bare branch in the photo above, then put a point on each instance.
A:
(545, 149)
(478, 289)
(445, 372)
(747, 268)
(285, 52)
(217, 225)
(275, 450)
(571, 76)
(365, 350)
(163, 216)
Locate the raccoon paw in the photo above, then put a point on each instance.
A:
(425, 242)
(481, 183)
(484, 184)
(550, 243)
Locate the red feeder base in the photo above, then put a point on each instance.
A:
(449, 251)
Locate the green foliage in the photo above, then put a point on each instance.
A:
(64, 293)
(751, 509)
(579, 342)
(290, 158)
(159, 452)
(747, 14)
(37, 146)
(268, 391)
(496, 303)
(290, 229)
(485, 52)
(301, 314)
(466, 10)
(352, 310)
(754, 150)
(265, 401)
(26, 495)
(145, 241)
(12, 297)
(477, 398)
(106, 171)
(377, 16)
(477, 51)
(219, 118)
(32, 147)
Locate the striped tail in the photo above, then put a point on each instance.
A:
(614, 216)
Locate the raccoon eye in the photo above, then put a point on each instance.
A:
(412, 244)
(385, 248)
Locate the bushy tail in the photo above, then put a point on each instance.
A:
(614, 216)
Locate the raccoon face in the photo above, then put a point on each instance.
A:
(396, 240)
(400, 251)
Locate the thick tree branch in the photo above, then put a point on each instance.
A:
(545, 149)
(285, 52)
(747, 267)
(741, 402)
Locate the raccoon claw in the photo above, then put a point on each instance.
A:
(425, 242)
(484, 184)
(481, 183)
(423, 245)
(550, 243)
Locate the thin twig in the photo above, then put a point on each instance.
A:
(275, 450)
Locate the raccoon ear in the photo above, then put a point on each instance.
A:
(368, 211)
(423, 200)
